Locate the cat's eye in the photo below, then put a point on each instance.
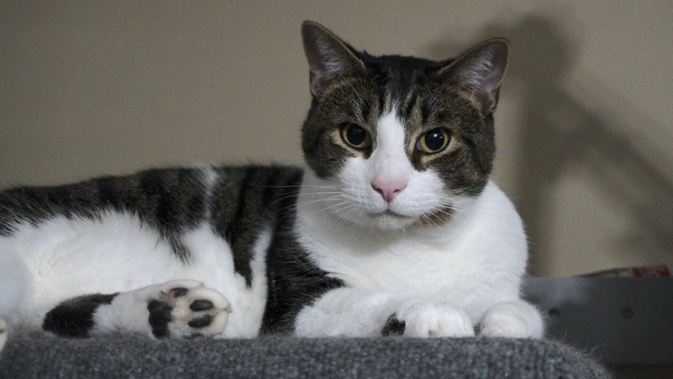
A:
(356, 136)
(433, 141)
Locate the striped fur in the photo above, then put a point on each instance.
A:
(393, 227)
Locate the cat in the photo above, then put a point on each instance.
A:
(392, 228)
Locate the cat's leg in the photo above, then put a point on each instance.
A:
(513, 319)
(15, 287)
(176, 309)
(361, 313)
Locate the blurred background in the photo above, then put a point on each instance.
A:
(584, 125)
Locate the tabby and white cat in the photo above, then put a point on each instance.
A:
(393, 227)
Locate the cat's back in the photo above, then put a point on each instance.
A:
(111, 220)
(118, 233)
(171, 199)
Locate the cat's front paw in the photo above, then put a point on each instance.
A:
(514, 319)
(423, 319)
(184, 308)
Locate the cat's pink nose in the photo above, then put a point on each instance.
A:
(388, 190)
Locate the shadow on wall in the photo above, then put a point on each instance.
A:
(559, 134)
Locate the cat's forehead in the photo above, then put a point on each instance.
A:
(399, 64)
(404, 84)
(400, 77)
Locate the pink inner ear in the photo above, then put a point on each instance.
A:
(490, 86)
(483, 69)
(492, 80)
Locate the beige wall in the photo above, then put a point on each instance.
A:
(584, 125)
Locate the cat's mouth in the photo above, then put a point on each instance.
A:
(389, 220)
(388, 213)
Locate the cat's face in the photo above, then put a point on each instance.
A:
(397, 141)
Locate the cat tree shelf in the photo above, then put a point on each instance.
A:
(624, 321)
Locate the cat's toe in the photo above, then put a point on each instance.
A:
(179, 288)
(424, 319)
(515, 319)
(186, 309)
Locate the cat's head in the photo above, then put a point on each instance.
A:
(398, 141)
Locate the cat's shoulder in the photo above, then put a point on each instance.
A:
(493, 217)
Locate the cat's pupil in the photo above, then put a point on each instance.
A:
(434, 140)
(355, 135)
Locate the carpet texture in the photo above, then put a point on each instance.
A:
(285, 357)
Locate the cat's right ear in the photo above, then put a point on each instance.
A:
(481, 70)
(329, 58)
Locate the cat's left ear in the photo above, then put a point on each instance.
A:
(480, 70)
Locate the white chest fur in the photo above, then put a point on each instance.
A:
(472, 261)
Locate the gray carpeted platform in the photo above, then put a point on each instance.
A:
(285, 357)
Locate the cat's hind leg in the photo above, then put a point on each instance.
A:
(176, 309)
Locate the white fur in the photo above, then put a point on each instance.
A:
(472, 263)
(512, 319)
(64, 258)
(214, 266)
(426, 319)
(350, 196)
(389, 162)
(14, 283)
(441, 280)
(128, 311)
(210, 179)
(464, 267)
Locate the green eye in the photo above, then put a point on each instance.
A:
(433, 141)
(356, 136)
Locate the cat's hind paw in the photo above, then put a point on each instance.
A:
(184, 308)
(425, 320)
